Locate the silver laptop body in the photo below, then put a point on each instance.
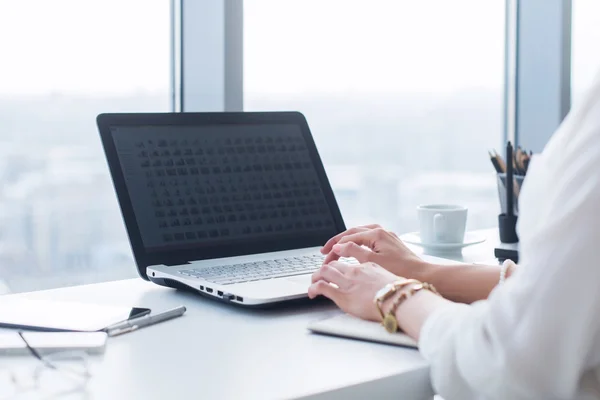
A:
(232, 205)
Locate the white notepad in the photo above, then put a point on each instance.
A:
(345, 325)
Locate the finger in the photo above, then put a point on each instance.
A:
(343, 267)
(327, 247)
(322, 288)
(330, 274)
(365, 238)
(331, 242)
(351, 249)
(331, 257)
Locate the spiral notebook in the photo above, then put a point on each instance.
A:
(347, 326)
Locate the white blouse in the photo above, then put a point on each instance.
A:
(538, 335)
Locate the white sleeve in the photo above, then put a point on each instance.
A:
(537, 335)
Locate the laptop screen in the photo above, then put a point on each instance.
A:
(209, 185)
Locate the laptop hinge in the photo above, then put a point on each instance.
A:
(177, 264)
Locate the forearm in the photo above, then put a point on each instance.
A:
(412, 314)
(463, 283)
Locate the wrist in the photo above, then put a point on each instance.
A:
(388, 304)
(426, 272)
(391, 308)
(389, 292)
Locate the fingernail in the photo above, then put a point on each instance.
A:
(337, 247)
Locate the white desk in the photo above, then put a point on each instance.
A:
(219, 351)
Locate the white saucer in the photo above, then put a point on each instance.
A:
(471, 238)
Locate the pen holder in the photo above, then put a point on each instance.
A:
(517, 186)
(507, 226)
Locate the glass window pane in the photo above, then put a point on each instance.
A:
(585, 64)
(404, 98)
(64, 62)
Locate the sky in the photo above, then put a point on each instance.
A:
(84, 46)
(374, 45)
(103, 47)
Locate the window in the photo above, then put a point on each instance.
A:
(585, 62)
(404, 98)
(64, 62)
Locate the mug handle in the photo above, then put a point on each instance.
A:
(439, 226)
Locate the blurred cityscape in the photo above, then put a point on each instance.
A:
(386, 154)
(59, 219)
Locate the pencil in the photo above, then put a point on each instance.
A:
(517, 156)
(501, 162)
(495, 162)
(526, 161)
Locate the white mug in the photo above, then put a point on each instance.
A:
(442, 223)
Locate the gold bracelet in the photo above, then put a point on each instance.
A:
(431, 288)
(388, 290)
(390, 322)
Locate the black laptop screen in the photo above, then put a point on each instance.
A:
(204, 185)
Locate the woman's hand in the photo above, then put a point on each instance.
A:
(382, 247)
(355, 287)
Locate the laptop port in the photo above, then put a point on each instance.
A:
(201, 287)
(209, 290)
(220, 293)
(240, 299)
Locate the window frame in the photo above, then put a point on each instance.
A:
(537, 70)
(208, 48)
(208, 55)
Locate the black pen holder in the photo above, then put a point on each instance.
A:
(507, 225)
(517, 186)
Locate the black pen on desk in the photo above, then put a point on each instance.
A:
(509, 180)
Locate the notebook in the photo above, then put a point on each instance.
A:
(51, 315)
(347, 326)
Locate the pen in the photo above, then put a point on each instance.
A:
(147, 320)
(509, 180)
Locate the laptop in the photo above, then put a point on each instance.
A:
(235, 206)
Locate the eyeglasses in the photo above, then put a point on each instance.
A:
(59, 373)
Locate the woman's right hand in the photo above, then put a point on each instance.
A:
(372, 243)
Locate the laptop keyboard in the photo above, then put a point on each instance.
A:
(260, 270)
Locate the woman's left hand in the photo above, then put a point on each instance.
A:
(356, 287)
